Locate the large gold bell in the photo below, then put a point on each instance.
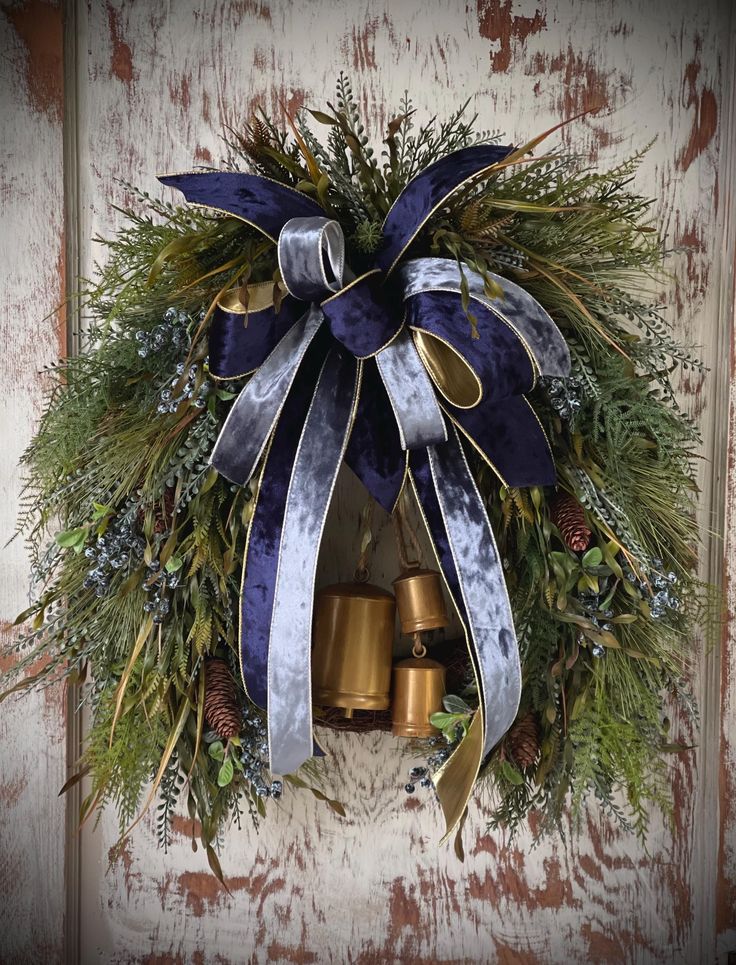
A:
(419, 686)
(353, 642)
(420, 602)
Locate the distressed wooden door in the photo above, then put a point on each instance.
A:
(122, 89)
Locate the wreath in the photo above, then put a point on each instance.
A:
(473, 328)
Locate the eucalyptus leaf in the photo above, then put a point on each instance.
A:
(593, 557)
(455, 705)
(72, 538)
(226, 772)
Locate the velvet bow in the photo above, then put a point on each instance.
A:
(381, 370)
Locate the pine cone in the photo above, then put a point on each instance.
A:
(221, 704)
(523, 740)
(163, 512)
(568, 516)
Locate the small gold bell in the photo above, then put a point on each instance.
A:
(353, 642)
(419, 686)
(419, 600)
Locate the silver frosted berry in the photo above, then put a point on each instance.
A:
(598, 650)
(170, 315)
(277, 789)
(409, 788)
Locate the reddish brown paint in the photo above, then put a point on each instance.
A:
(203, 154)
(179, 92)
(703, 130)
(285, 953)
(121, 62)
(497, 23)
(10, 791)
(39, 28)
(165, 959)
(240, 9)
(575, 83)
(602, 946)
(513, 955)
(705, 119)
(363, 45)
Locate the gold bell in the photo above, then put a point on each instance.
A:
(419, 600)
(419, 686)
(353, 643)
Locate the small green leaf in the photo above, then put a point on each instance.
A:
(441, 720)
(322, 117)
(593, 557)
(226, 773)
(173, 564)
(225, 395)
(455, 705)
(217, 750)
(72, 538)
(510, 774)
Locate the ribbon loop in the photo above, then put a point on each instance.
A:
(515, 307)
(410, 392)
(311, 253)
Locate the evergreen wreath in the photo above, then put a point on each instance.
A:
(138, 590)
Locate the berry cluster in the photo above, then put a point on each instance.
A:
(177, 392)
(157, 583)
(565, 396)
(113, 551)
(171, 332)
(658, 587)
(254, 756)
(418, 774)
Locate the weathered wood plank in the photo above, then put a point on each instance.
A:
(726, 882)
(156, 84)
(32, 743)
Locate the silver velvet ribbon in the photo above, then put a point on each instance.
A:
(489, 621)
(321, 450)
(311, 258)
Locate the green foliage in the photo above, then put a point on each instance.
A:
(140, 583)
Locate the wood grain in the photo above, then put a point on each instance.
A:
(32, 333)
(156, 82)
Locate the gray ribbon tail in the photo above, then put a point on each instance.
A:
(480, 577)
(253, 416)
(321, 449)
(516, 307)
(411, 393)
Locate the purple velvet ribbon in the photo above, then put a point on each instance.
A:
(516, 342)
